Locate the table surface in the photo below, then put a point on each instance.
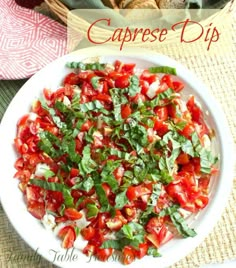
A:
(218, 73)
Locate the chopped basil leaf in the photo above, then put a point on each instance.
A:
(105, 206)
(156, 191)
(112, 244)
(178, 221)
(92, 210)
(95, 81)
(181, 225)
(50, 144)
(187, 147)
(86, 66)
(87, 164)
(132, 231)
(134, 87)
(121, 200)
(95, 106)
(153, 252)
(77, 230)
(62, 209)
(48, 174)
(85, 185)
(118, 99)
(207, 160)
(162, 69)
(68, 146)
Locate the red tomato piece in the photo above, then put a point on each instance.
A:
(37, 209)
(102, 97)
(86, 126)
(125, 111)
(161, 112)
(129, 255)
(153, 238)
(88, 232)
(167, 79)
(71, 79)
(161, 127)
(148, 77)
(141, 251)
(178, 86)
(128, 68)
(68, 235)
(114, 224)
(103, 254)
(89, 250)
(182, 159)
(72, 214)
(188, 130)
(122, 81)
(165, 235)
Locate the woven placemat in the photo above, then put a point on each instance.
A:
(218, 73)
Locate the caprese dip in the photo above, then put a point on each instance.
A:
(115, 159)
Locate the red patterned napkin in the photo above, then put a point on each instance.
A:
(28, 40)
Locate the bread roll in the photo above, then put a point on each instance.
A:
(168, 4)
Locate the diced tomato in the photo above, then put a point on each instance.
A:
(203, 183)
(86, 126)
(165, 235)
(171, 110)
(107, 189)
(122, 81)
(114, 224)
(154, 225)
(74, 172)
(68, 235)
(161, 127)
(19, 164)
(188, 130)
(144, 86)
(23, 120)
(182, 159)
(167, 79)
(153, 238)
(128, 68)
(125, 111)
(89, 250)
(178, 86)
(71, 79)
(134, 192)
(141, 251)
(129, 255)
(102, 217)
(118, 66)
(88, 232)
(102, 97)
(137, 98)
(119, 174)
(129, 212)
(88, 90)
(201, 201)
(72, 214)
(103, 254)
(148, 77)
(161, 112)
(37, 209)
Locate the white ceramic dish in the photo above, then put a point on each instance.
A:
(33, 232)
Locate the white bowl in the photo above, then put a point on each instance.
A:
(46, 244)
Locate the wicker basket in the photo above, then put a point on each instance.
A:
(80, 25)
